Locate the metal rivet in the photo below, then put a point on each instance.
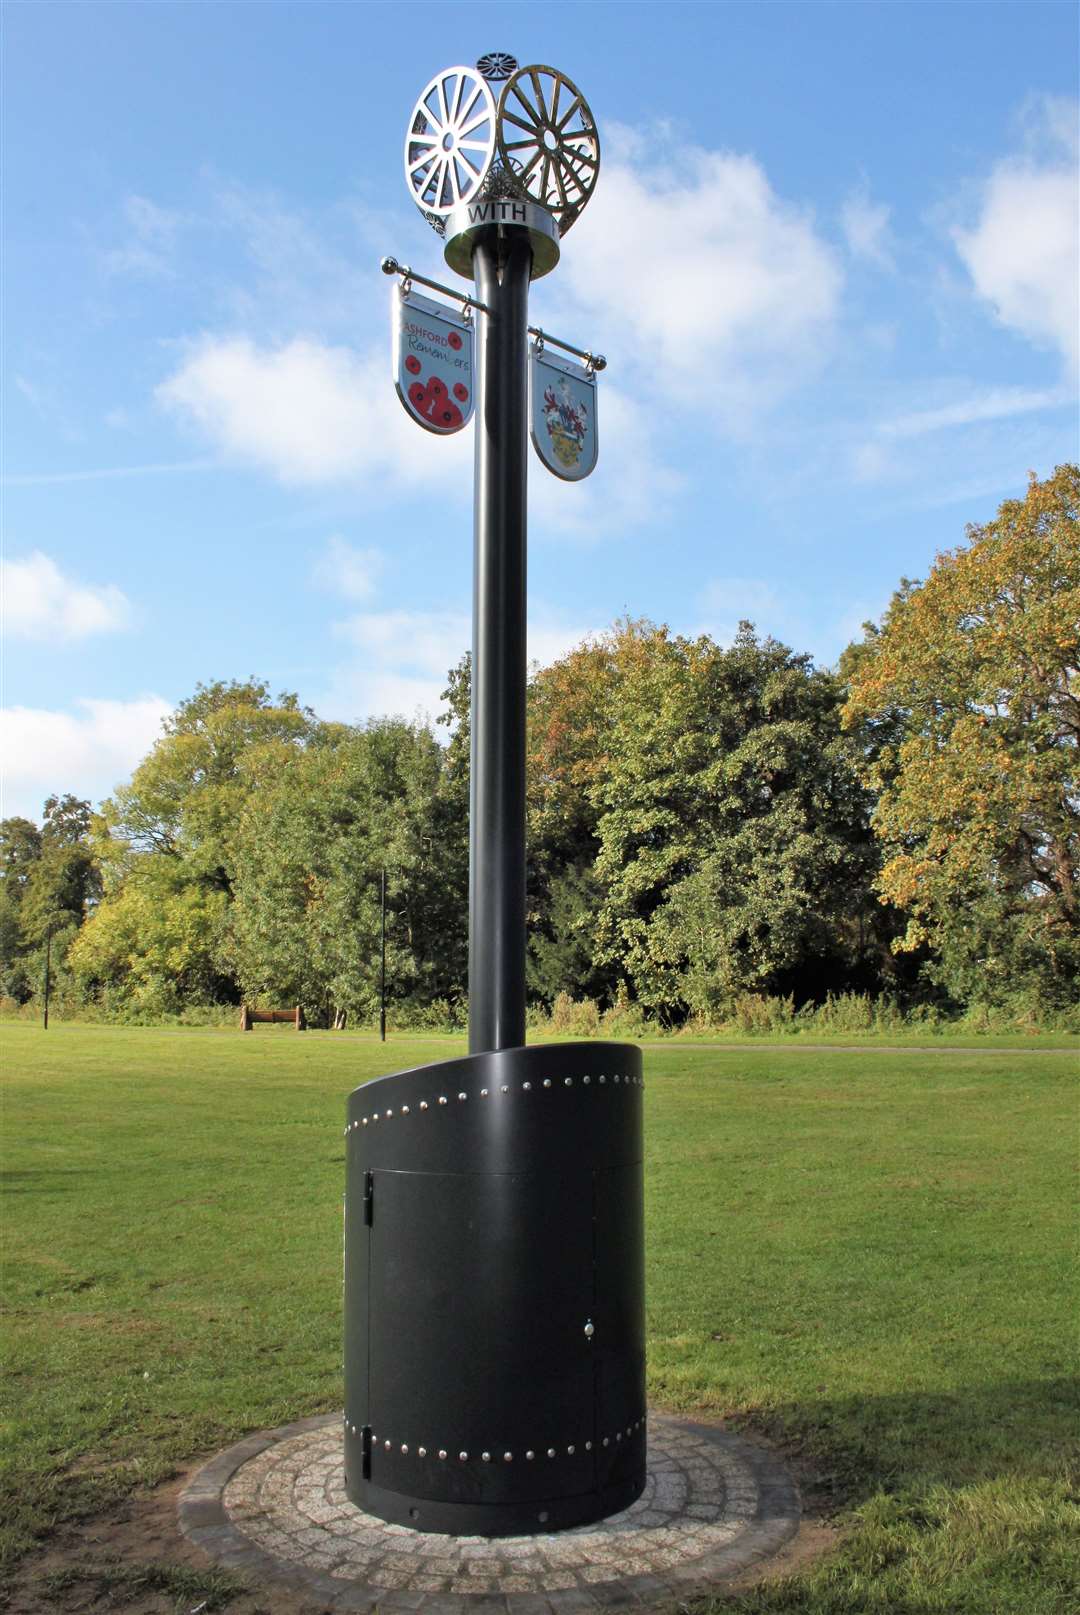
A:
(404, 1110)
(505, 1088)
(508, 1457)
(526, 1086)
(614, 1079)
(375, 1117)
(486, 1456)
(463, 1456)
(603, 1079)
(405, 1447)
(586, 1080)
(604, 1443)
(386, 1445)
(442, 1099)
(530, 1456)
(442, 1452)
(547, 1082)
(629, 1429)
(551, 1452)
(423, 1104)
(570, 1452)
(463, 1096)
(421, 1452)
(588, 1446)
(618, 1435)
(363, 1122)
(389, 1113)
(352, 1427)
(483, 1093)
(590, 1329)
(568, 1082)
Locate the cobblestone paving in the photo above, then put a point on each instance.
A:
(276, 1505)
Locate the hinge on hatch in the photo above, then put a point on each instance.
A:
(369, 1196)
(365, 1451)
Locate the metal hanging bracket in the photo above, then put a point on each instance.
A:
(390, 266)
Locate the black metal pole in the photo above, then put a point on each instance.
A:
(382, 957)
(502, 262)
(48, 964)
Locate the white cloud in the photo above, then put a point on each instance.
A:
(688, 263)
(309, 413)
(87, 752)
(866, 228)
(39, 602)
(347, 571)
(1022, 252)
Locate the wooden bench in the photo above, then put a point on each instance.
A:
(249, 1016)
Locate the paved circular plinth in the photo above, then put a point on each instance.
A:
(275, 1505)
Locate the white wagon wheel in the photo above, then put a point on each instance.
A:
(450, 140)
(546, 127)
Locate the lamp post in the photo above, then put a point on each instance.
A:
(494, 1289)
(382, 955)
(48, 966)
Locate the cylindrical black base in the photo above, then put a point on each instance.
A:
(494, 1291)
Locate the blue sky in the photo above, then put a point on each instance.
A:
(832, 259)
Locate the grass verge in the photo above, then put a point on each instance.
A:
(865, 1259)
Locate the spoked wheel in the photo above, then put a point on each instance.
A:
(497, 66)
(546, 127)
(450, 141)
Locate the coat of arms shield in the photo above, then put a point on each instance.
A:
(562, 413)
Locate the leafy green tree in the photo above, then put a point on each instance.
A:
(735, 852)
(20, 850)
(570, 716)
(166, 844)
(970, 696)
(64, 882)
(305, 924)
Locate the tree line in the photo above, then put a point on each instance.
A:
(705, 823)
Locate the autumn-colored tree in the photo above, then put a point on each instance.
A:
(969, 702)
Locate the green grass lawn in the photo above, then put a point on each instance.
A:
(863, 1255)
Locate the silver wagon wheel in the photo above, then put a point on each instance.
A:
(450, 140)
(545, 125)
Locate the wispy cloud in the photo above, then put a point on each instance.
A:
(40, 602)
(347, 571)
(995, 403)
(874, 455)
(38, 479)
(149, 243)
(783, 614)
(866, 228)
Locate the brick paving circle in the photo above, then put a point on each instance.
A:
(275, 1505)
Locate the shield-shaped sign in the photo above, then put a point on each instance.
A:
(562, 413)
(433, 362)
